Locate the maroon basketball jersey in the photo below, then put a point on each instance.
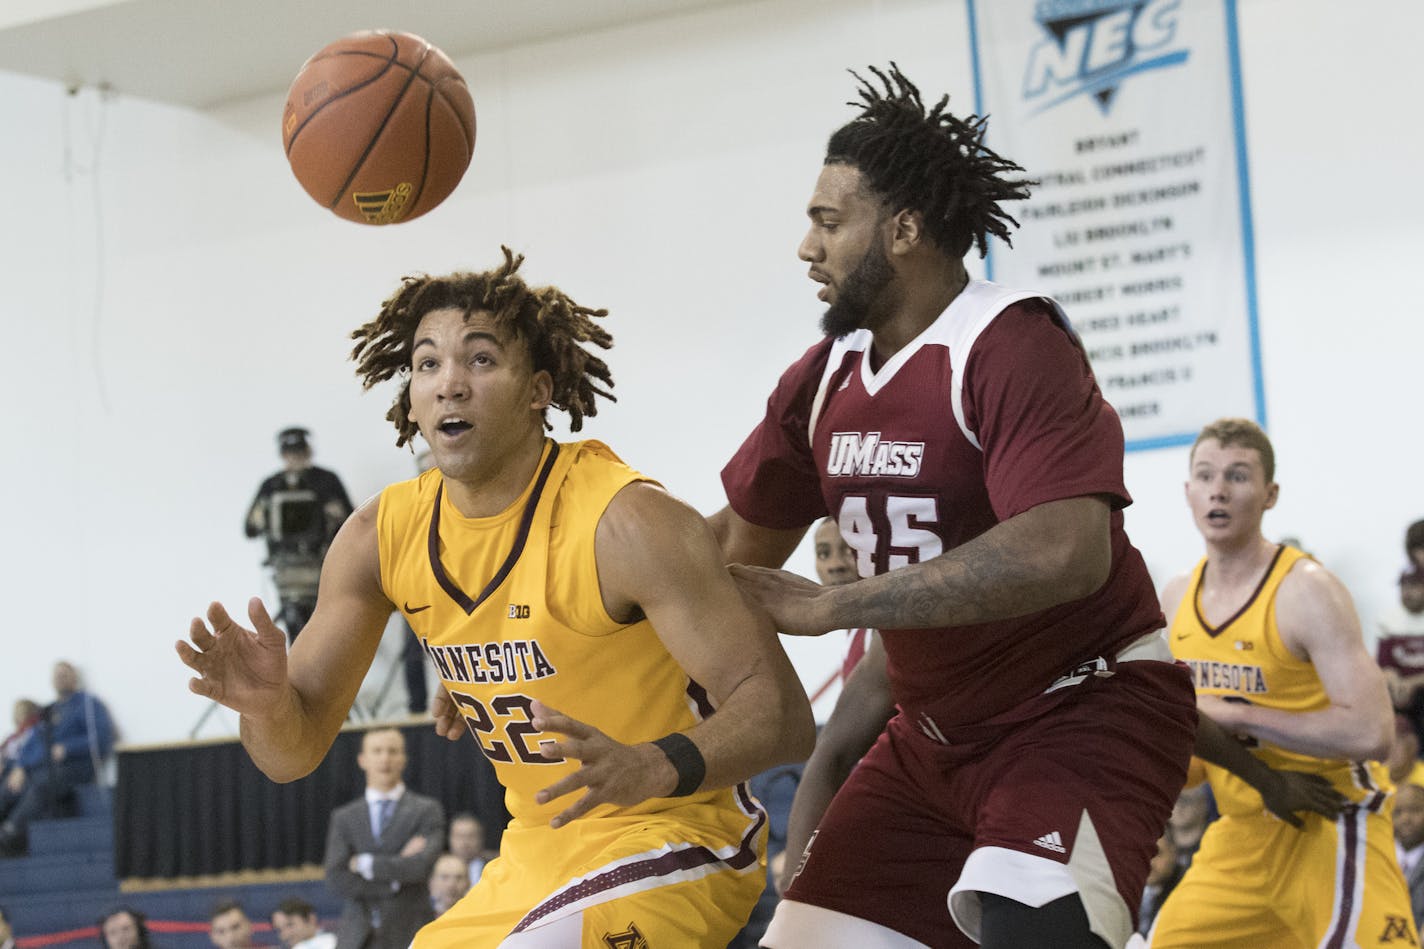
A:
(1402, 653)
(992, 410)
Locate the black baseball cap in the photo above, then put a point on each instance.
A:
(293, 439)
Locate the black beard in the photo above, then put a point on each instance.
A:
(858, 294)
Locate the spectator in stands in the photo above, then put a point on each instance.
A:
(230, 929)
(1403, 762)
(26, 717)
(835, 564)
(380, 850)
(1162, 875)
(835, 559)
(7, 935)
(1194, 810)
(72, 738)
(1407, 618)
(1409, 843)
(467, 841)
(1400, 648)
(449, 881)
(1414, 544)
(296, 925)
(124, 928)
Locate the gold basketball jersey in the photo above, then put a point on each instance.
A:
(509, 609)
(1244, 659)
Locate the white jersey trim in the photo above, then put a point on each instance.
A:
(640, 884)
(1036, 881)
(968, 316)
(957, 329)
(1033, 881)
(804, 926)
(558, 934)
(857, 342)
(1352, 826)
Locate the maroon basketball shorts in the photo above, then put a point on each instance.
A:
(1070, 800)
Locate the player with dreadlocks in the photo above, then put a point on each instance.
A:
(552, 326)
(954, 430)
(579, 617)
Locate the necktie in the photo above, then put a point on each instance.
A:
(383, 816)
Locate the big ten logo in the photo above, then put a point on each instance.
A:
(519, 611)
(1092, 45)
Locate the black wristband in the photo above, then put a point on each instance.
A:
(686, 760)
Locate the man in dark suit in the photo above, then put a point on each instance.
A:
(1409, 843)
(380, 849)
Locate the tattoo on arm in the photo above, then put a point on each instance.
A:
(1005, 572)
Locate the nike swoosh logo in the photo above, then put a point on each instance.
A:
(415, 609)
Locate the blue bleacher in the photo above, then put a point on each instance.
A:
(73, 835)
(67, 882)
(37, 875)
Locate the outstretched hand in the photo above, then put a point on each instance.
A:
(613, 772)
(246, 670)
(1294, 792)
(796, 605)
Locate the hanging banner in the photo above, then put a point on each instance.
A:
(1128, 114)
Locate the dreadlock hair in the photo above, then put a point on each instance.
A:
(929, 161)
(549, 323)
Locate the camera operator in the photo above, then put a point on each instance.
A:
(298, 511)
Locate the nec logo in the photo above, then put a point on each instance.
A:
(518, 611)
(1092, 46)
(865, 453)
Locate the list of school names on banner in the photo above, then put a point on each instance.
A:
(1120, 265)
(1123, 112)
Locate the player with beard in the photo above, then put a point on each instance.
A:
(954, 430)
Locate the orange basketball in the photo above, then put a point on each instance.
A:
(379, 127)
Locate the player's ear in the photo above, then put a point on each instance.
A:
(907, 231)
(1273, 494)
(541, 389)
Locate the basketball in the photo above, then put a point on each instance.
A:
(379, 127)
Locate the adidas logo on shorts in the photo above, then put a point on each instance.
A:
(1052, 841)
